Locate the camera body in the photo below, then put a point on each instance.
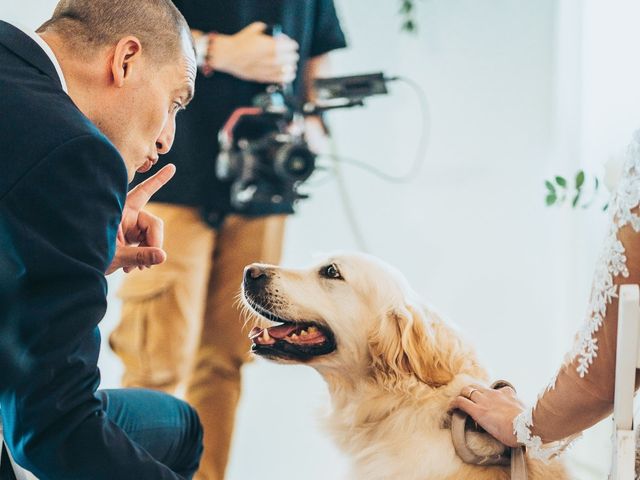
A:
(263, 150)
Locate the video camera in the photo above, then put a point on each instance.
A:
(263, 149)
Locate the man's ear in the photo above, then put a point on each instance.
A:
(126, 59)
(405, 346)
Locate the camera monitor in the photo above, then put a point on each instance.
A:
(349, 89)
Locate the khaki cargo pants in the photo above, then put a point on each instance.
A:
(180, 325)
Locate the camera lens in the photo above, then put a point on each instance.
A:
(294, 162)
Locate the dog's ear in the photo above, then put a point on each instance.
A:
(406, 346)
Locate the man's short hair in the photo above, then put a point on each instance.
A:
(158, 25)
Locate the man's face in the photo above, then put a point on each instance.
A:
(142, 125)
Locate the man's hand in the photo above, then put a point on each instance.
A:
(255, 56)
(494, 410)
(140, 235)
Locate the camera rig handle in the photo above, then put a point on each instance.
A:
(225, 136)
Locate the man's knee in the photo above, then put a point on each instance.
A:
(192, 441)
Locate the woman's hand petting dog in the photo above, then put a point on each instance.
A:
(493, 410)
(140, 235)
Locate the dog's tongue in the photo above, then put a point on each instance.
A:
(282, 331)
(278, 333)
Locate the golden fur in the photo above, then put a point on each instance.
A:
(396, 368)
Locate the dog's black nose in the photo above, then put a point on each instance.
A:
(255, 274)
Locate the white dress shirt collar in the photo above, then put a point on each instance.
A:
(47, 49)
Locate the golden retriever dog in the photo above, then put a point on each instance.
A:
(392, 366)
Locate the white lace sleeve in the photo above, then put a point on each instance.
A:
(535, 448)
(612, 262)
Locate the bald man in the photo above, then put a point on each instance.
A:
(87, 101)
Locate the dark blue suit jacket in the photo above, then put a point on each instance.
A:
(62, 189)
(13, 364)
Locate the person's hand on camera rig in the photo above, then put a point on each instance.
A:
(251, 54)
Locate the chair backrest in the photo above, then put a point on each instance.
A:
(627, 361)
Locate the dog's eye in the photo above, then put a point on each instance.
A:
(331, 271)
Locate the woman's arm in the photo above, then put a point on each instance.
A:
(582, 393)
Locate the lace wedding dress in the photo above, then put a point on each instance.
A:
(612, 264)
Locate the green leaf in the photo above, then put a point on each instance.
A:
(576, 199)
(580, 179)
(409, 26)
(407, 7)
(561, 181)
(551, 199)
(550, 187)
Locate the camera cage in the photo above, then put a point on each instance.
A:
(257, 143)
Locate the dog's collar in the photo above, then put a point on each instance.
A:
(514, 456)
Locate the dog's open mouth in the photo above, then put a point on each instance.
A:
(295, 340)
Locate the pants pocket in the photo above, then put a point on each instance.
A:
(151, 339)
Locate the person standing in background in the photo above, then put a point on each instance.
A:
(180, 327)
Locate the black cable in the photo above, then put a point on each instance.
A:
(323, 180)
(337, 160)
(421, 151)
(348, 208)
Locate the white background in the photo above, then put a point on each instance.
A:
(518, 91)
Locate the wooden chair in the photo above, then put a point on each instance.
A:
(627, 361)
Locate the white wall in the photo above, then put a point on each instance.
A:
(31, 13)
(518, 91)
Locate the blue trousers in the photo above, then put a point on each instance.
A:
(167, 428)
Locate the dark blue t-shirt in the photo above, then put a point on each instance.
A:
(312, 23)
